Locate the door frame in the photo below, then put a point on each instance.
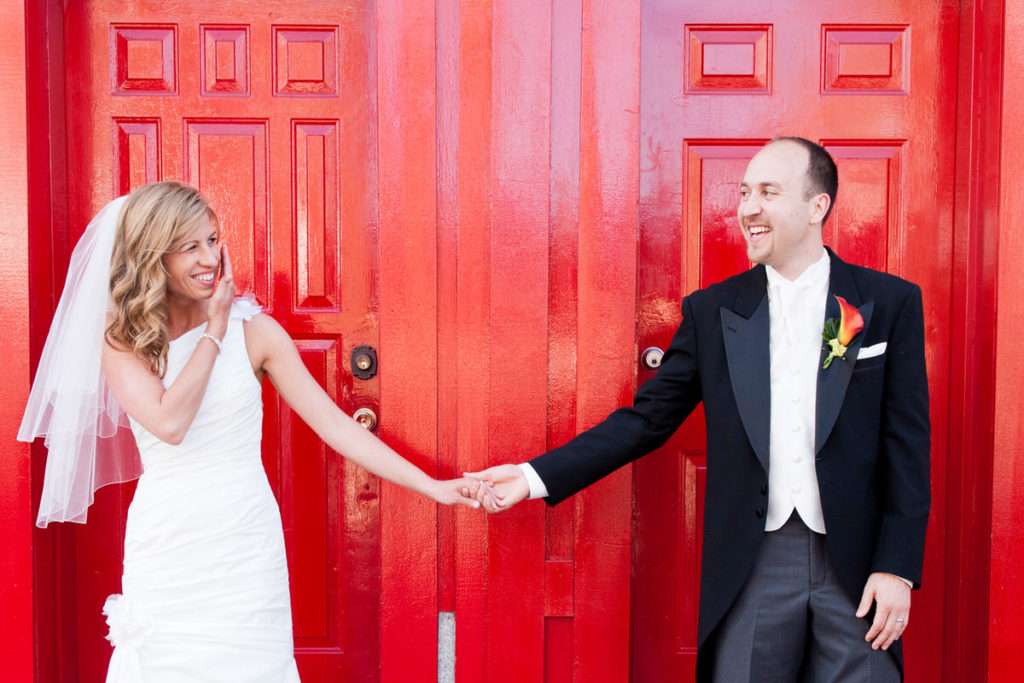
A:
(979, 141)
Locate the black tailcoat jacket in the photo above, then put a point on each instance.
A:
(871, 433)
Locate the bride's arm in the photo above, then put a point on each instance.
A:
(168, 413)
(274, 352)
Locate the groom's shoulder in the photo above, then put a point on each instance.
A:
(728, 289)
(873, 282)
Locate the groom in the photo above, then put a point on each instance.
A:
(817, 489)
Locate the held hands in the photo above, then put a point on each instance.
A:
(499, 488)
(496, 489)
(891, 596)
(454, 492)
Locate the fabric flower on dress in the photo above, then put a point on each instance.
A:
(128, 625)
(245, 307)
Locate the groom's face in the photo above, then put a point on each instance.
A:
(781, 224)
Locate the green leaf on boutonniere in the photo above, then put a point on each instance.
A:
(831, 329)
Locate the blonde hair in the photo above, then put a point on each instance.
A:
(152, 221)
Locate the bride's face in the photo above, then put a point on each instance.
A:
(192, 264)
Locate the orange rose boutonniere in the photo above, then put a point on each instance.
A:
(839, 334)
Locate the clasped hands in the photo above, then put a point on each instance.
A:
(496, 488)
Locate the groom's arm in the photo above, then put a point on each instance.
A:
(658, 409)
(906, 444)
(899, 550)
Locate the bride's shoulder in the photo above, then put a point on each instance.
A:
(261, 330)
(267, 342)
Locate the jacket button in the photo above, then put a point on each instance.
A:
(764, 489)
(759, 513)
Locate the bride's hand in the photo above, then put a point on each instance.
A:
(455, 492)
(219, 308)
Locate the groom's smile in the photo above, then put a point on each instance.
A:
(776, 212)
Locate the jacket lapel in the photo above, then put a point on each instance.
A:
(745, 331)
(833, 382)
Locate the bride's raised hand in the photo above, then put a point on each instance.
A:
(219, 308)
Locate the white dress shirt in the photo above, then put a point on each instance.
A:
(796, 314)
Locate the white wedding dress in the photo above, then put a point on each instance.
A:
(205, 583)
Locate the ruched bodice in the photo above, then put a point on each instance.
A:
(205, 583)
(229, 422)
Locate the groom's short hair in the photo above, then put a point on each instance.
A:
(822, 175)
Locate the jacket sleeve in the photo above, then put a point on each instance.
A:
(659, 407)
(905, 447)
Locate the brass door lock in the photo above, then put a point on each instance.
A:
(364, 362)
(366, 417)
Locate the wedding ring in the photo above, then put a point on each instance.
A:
(898, 620)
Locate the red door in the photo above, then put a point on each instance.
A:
(869, 82)
(271, 113)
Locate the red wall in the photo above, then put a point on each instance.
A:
(1006, 585)
(407, 196)
(559, 118)
(16, 628)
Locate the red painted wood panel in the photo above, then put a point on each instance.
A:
(464, 243)
(606, 347)
(560, 614)
(563, 278)
(408, 333)
(45, 162)
(517, 391)
(969, 488)
(1006, 633)
(16, 548)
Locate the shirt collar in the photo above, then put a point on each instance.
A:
(815, 274)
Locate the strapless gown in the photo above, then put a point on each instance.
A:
(205, 583)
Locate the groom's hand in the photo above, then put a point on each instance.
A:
(504, 486)
(891, 596)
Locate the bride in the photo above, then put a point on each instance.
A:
(148, 326)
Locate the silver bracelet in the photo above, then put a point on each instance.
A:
(207, 335)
